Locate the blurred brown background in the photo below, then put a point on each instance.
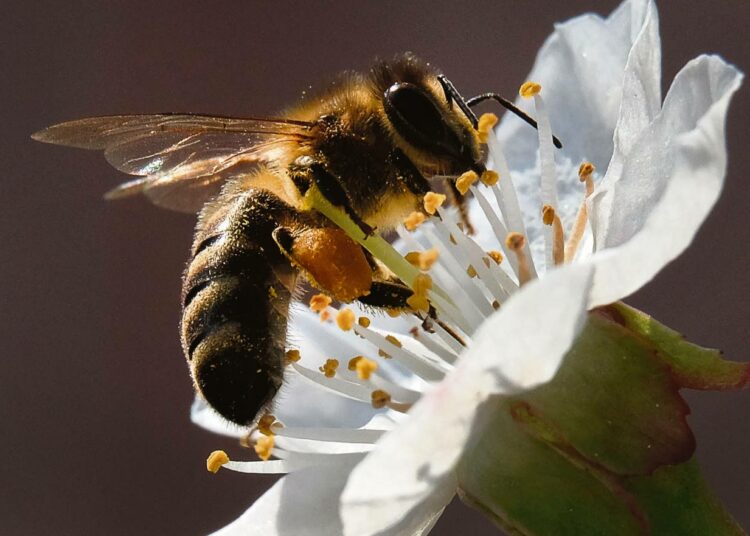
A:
(94, 392)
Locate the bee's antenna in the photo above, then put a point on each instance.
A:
(452, 94)
(510, 107)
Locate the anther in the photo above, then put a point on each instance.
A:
(464, 181)
(490, 177)
(585, 174)
(380, 399)
(485, 125)
(215, 460)
(516, 242)
(414, 220)
(363, 321)
(365, 367)
(292, 356)
(471, 271)
(433, 201)
(319, 303)
(550, 217)
(345, 319)
(529, 89)
(265, 424)
(263, 447)
(325, 315)
(495, 256)
(422, 259)
(329, 368)
(548, 214)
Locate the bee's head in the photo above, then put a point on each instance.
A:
(427, 117)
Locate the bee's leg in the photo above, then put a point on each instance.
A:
(458, 199)
(387, 295)
(329, 259)
(330, 188)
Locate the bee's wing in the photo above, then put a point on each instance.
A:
(182, 159)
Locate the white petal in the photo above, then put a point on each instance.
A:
(306, 503)
(519, 347)
(641, 102)
(670, 181)
(580, 68)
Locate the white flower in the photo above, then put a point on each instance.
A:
(356, 470)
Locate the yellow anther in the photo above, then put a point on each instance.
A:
(471, 271)
(363, 321)
(423, 259)
(380, 399)
(365, 367)
(418, 303)
(325, 315)
(393, 340)
(486, 122)
(215, 460)
(529, 89)
(352, 365)
(465, 181)
(263, 447)
(495, 256)
(319, 302)
(490, 177)
(345, 319)
(292, 356)
(414, 220)
(433, 201)
(422, 284)
(265, 423)
(515, 241)
(548, 214)
(496, 305)
(329, 368)
(585, 169)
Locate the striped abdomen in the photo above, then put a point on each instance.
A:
(236, 292)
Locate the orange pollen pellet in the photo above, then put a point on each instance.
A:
(319, 302)
(292, 356)
(215, 460)
(433, 201)
(264, 446)
(548, 214)
(345, 319)
(363, 321)
(365, 367)
(490, 177)
(414, 220)
(380, 399)
(586, 169)
(485, 125)
(465, 181)
(495, 256)
(330, 367)
(265, 423)
(515, 241)
(529, 89)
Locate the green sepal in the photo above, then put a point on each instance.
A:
(604, 448)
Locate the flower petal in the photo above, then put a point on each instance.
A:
(306, 503)
(670, 181)
(518, 348)
(580, 67)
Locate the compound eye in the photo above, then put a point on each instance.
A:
(416, 117)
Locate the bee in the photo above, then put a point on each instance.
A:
(368, 144)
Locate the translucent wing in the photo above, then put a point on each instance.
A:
(183, 159)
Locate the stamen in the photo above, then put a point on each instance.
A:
(585, 173)
(485, 125)
(215, 460)
(433, 201)
(464, 181)
(550, 217)
(292, 356)
(414, 220)
(489, 177)
(365, 367)
(264, 446)
(265, 424)
(380, 399)
(495, 256)
(516, 243)
(319, 303)
(345, 319)
(329, 368)
(529, 89)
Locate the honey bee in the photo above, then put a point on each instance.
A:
(368, 144)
